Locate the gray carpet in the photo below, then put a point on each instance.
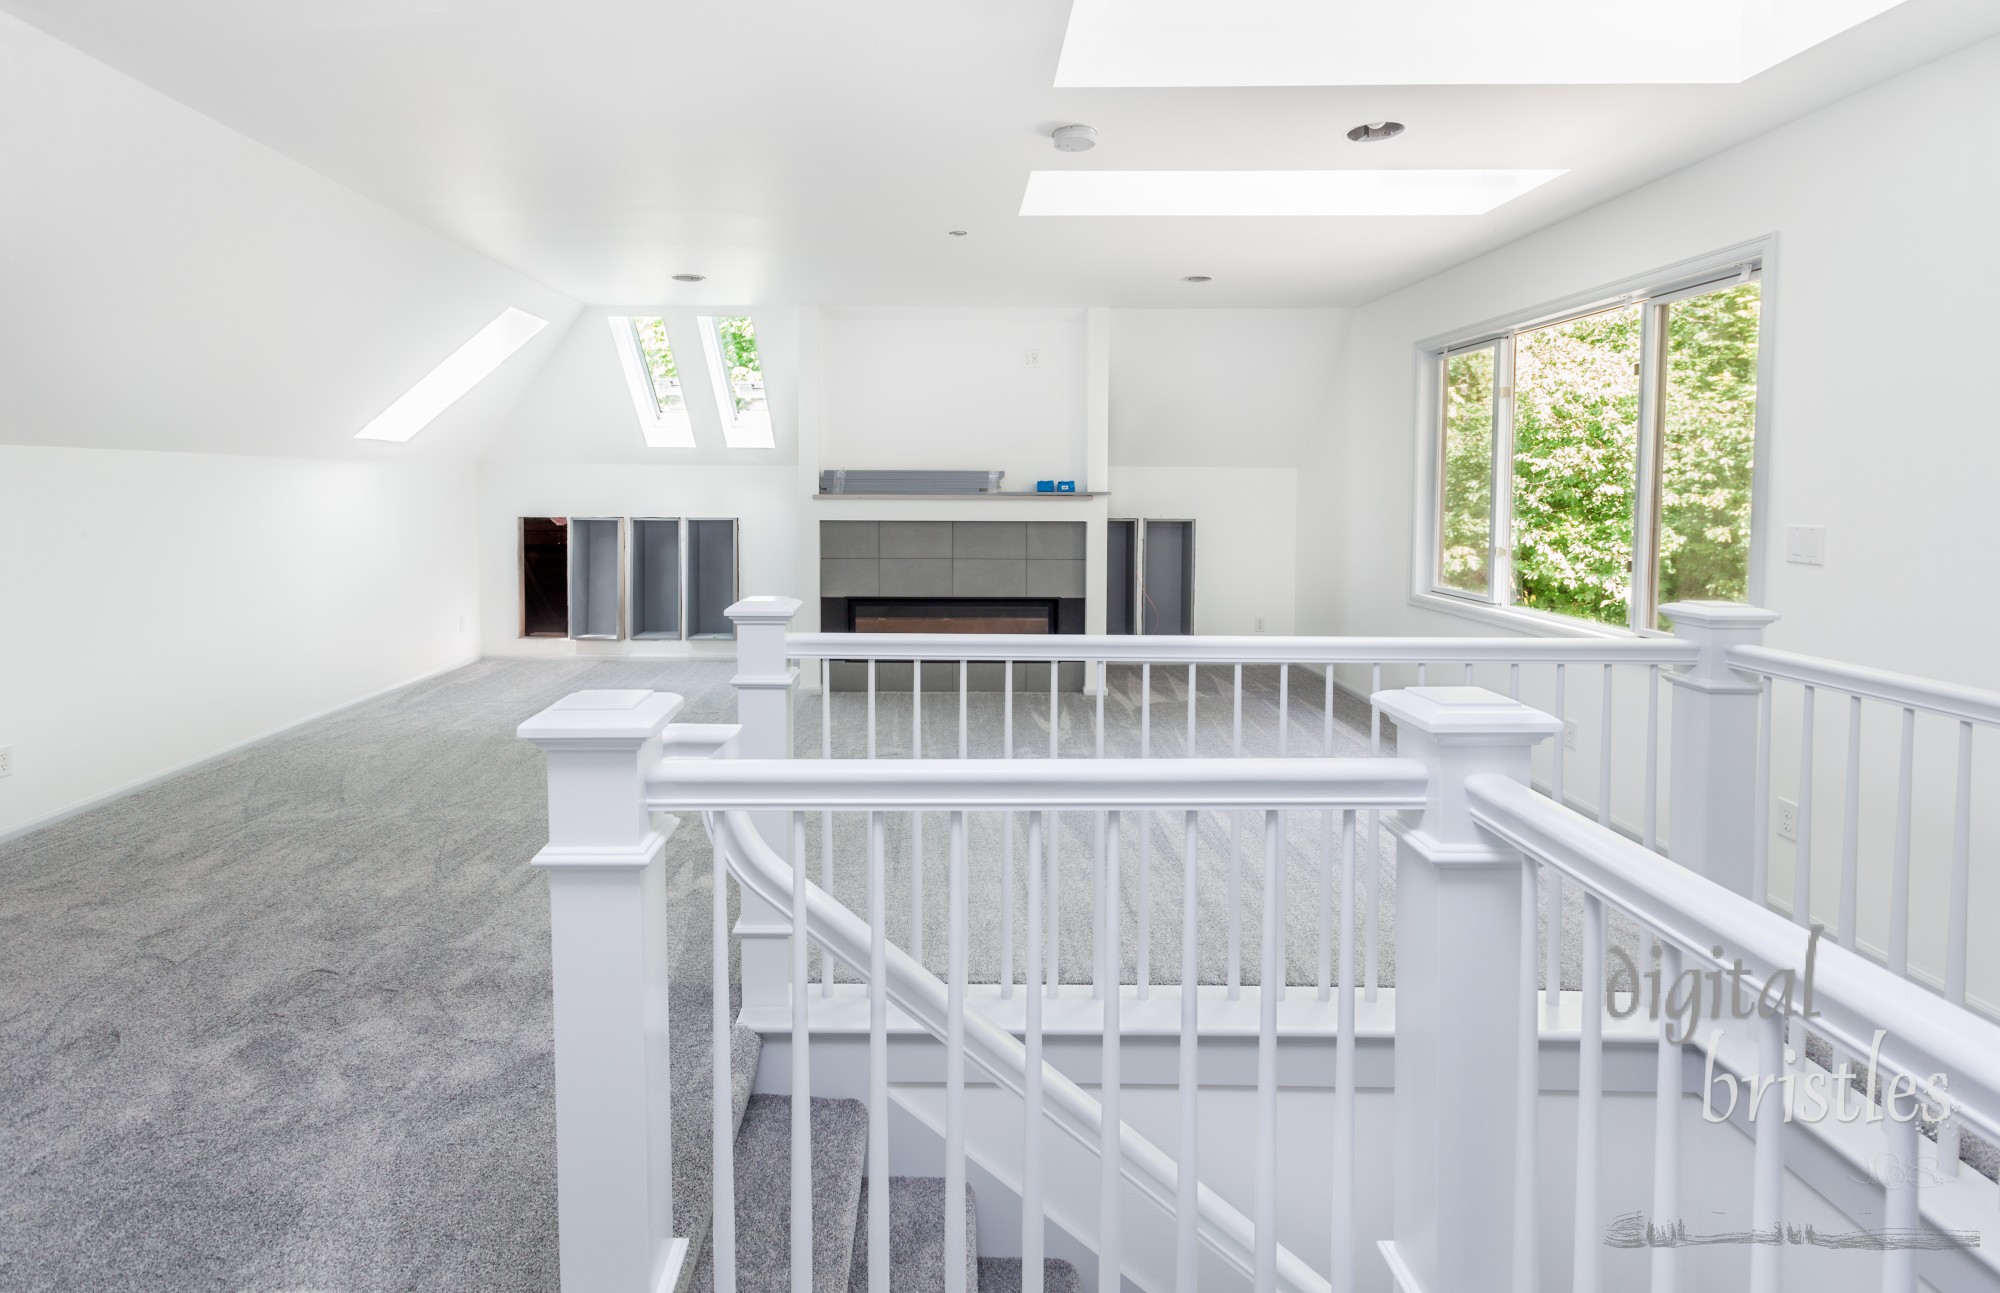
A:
(283, 1022)
(916, 1237)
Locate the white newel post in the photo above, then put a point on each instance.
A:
(608, 957)
(1459, 991)
(765, 681)
(1712, 770)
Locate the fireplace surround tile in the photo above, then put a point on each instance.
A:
(914, 538)
(1056, 541)
(916, 577)
(989, 539)
(989, 577)
(1054, 579)
(850, 577)
(850, 539)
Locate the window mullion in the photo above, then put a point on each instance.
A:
(1501, 564)
(1644, 611)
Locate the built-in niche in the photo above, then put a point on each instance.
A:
(1149, 576)
(594, 578)
(544, 577)
(711, 578)
(655, 579)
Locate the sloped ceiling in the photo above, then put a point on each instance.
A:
(170, 284)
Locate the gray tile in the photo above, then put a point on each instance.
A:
(849, 539)
(989, 539)
(1056, 541)
(916, 577)
(989, 577)
(849, 577)
(916, 538)
(1055, 579)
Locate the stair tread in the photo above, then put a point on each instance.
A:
(764, 1194)
(1004, 1275)
(916, 1237)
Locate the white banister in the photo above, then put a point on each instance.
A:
(765, 682)
(608, 958)
(1458, 957)
(1713, 764)
(1261, 649)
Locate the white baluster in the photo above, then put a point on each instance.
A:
(1552, 886)
(826, 818)
(1955, 923)
(1802, 850)
(1586, 1262)
(1604, 753)
(1284, 707)
(1007, 841)
(1266, 1220)
(1767, 1172)
(1186, 1181)
(1191, 688)
(802, 1228)
(871, 707)
(1343, 1076)
(1899, 1203)
(1236, 856)
(1374, 846)
(1556, 747)
(917, 819)
(1850, 838)
(1098, 896)
(1651, 828)
(878, 1056)
(1760, 832)
(1326, 910)
(1527, 1248)
(1031, 1095)
(954, 1068)
(1053, 835)
(1899, 874)
(1109, 1265)
(1667, 1135)
(722, 1146)
(1143, 933)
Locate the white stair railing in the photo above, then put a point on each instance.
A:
(733, 790)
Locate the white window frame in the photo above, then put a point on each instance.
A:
(1653, 290)
(739, 431)
(663, 427)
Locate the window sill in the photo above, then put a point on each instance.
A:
(1515, 619)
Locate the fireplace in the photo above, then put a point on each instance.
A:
(970, 615)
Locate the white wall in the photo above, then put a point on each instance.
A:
(161, 607)
(770, 542)
(1880, 427)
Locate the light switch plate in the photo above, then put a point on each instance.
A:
(1805, 545)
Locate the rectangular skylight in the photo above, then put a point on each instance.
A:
(1274, 193)
(736, 369)
(652, 377)
(442, 387)
(1134, 43)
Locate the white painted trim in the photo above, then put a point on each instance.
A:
(1617, 647)
(13, 833)
(1971, 704)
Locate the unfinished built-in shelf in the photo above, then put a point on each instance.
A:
(594, 578)
(1004, 493)
(655, 578)
(711, 578)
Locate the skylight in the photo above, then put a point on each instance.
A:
(1274, 193)
(736, 370)
(442, 387)
(1133, 43)
(653, 379)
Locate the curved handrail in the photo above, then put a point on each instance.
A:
(1972, 704)
(1027, 648)
(922, 996)
(1926, 1033)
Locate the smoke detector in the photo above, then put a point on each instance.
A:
(1074, 139)
(689, 278)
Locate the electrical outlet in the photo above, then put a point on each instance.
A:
(6, 760)
(1569, 733)
(1031, 359)
(461, 624)
(1788, 820)
(1260, 624)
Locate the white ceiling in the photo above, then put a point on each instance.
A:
(801, 152)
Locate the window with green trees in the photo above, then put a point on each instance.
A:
(737, 368)
(1600, 465)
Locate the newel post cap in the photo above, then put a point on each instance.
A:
(1718, 615)
(1715, 627)
(602, 720)
(764, 610)
(1466, 716)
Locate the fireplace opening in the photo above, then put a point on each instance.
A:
(951, 615)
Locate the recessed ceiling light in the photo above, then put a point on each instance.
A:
(1138, 43)
(1370, 131)
(1274, 193)
(464, 369)
(1197, 278)
(956, 233)
(690, 278)
(1074, 139)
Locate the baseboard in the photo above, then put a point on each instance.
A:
(68, 811)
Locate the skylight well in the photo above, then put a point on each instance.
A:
(444, 385)
(652, 376)
(1275, 193)
(1137, 43)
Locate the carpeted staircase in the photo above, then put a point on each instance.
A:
(840, 1188)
